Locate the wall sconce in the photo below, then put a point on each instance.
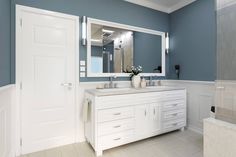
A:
(167, 43)
(84, 30)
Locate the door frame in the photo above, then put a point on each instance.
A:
(18, 68)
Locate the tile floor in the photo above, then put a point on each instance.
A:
(174, 144)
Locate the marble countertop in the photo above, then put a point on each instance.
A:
(221, 123)
(122, 91)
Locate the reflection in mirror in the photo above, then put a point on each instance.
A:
(114, 48)
(111, 49)
(148, 51)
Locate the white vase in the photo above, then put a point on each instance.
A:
(136, 80)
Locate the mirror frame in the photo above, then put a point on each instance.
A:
(91, 21)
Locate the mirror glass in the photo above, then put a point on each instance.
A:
(114, 50)
(111, 49)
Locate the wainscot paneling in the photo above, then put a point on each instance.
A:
(200, 98)
(6, 133)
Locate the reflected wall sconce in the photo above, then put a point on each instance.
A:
(84, 30)
(167, 43)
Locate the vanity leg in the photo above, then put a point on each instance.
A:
(182, 129)
(99, 153)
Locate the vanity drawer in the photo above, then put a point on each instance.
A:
(172, 125)
(115, 126)
(173, 105)
(113, 140)
(173, 115)
(115, 114)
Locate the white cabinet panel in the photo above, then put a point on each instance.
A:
(117, 139)
(115, 113)
(115, 126)
(141, 120)
(155, 117)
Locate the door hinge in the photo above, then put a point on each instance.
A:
(21, 142)
(21, 86)
(21, 22)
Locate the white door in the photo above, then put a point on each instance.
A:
(47, 43)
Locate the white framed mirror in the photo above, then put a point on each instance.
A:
(112, 48)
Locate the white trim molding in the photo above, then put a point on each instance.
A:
(162, 8)
(4, 88)
(7, 131)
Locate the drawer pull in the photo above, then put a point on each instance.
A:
(117, 139)
(118, 126)
(116, 114)
(175, 124)
(175, 105)
(175, 114)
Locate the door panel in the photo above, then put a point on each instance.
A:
(48, 81)
(155, 117)
(141, 120)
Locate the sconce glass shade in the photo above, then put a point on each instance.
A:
(84, 30)
(167, 43)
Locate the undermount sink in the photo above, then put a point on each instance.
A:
(113, 89)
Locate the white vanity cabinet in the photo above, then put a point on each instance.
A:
(117, 119)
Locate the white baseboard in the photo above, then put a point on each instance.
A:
(195, 129)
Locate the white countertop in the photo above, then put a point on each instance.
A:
(122, 91)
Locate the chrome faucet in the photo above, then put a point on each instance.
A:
(151, 82)
(111, 83)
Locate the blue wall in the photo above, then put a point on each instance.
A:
(5, 33)
(192, 30)
(110, 10)
(193, 41)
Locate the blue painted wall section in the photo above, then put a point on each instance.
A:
(5, 55)
(110, 10)
(193, 41)
(192, 31)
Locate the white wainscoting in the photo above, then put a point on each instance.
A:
(200, 98)
(6, 131)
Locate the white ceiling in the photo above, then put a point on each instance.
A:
(167, 6)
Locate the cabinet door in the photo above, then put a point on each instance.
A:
(141, 120)
(155, 117)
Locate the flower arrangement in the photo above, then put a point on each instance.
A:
(136, 70)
